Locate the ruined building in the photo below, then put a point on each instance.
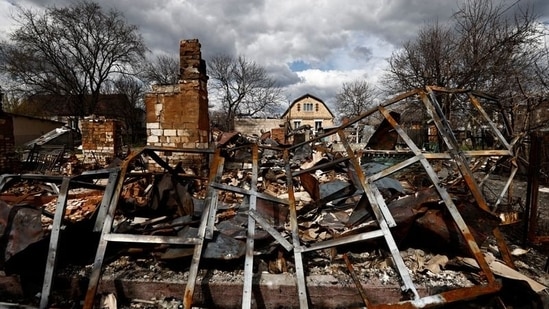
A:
(177, 115)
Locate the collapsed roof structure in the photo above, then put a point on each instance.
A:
(289, 205)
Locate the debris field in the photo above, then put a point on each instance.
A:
(274, 224)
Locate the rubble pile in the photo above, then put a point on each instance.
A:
(391, 215)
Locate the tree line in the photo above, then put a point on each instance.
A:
(83, 51)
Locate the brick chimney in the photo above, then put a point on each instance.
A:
(177, 115)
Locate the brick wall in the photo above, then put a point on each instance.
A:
(278, 135)
(101, 140)
(177, 115)
(7, 143)
(250, 126)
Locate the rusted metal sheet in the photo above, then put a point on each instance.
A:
(20, 227)
(385, 137)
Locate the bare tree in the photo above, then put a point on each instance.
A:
(163, 70)
(134, 110)
(353, 99)
(70, 51)
(485, 48)
(243, 87)
(476, 50)
(428, 60)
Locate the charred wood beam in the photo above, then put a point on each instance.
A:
(356, 280)
(532, 197)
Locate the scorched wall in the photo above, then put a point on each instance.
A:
(177, 115)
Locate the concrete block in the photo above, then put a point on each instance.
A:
(183, 133)
(152, 139)
(170, 132)
(157, 132)
(153, 125)
(174, 139)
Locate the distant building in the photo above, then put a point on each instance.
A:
(309, 110)
(65, 109)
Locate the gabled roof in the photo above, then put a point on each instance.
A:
(307, 95)
(109, 105)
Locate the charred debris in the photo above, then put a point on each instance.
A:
(392, 213)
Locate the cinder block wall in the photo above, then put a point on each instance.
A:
(7, 143)
(101, 140)
(177, 115)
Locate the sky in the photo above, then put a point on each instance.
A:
(308, 46)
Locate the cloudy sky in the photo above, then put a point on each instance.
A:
(309, 46)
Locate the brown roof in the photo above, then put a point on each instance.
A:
(307, 95)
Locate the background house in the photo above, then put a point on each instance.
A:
(26, 128)
(111, 106)
(311, 111)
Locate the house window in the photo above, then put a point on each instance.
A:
(298, 107)
(297, 124)
(316, 107)
(318, 125)
(308, 107)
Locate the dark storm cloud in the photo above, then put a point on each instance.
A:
(307, 45)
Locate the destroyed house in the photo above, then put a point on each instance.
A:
(268, 225)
